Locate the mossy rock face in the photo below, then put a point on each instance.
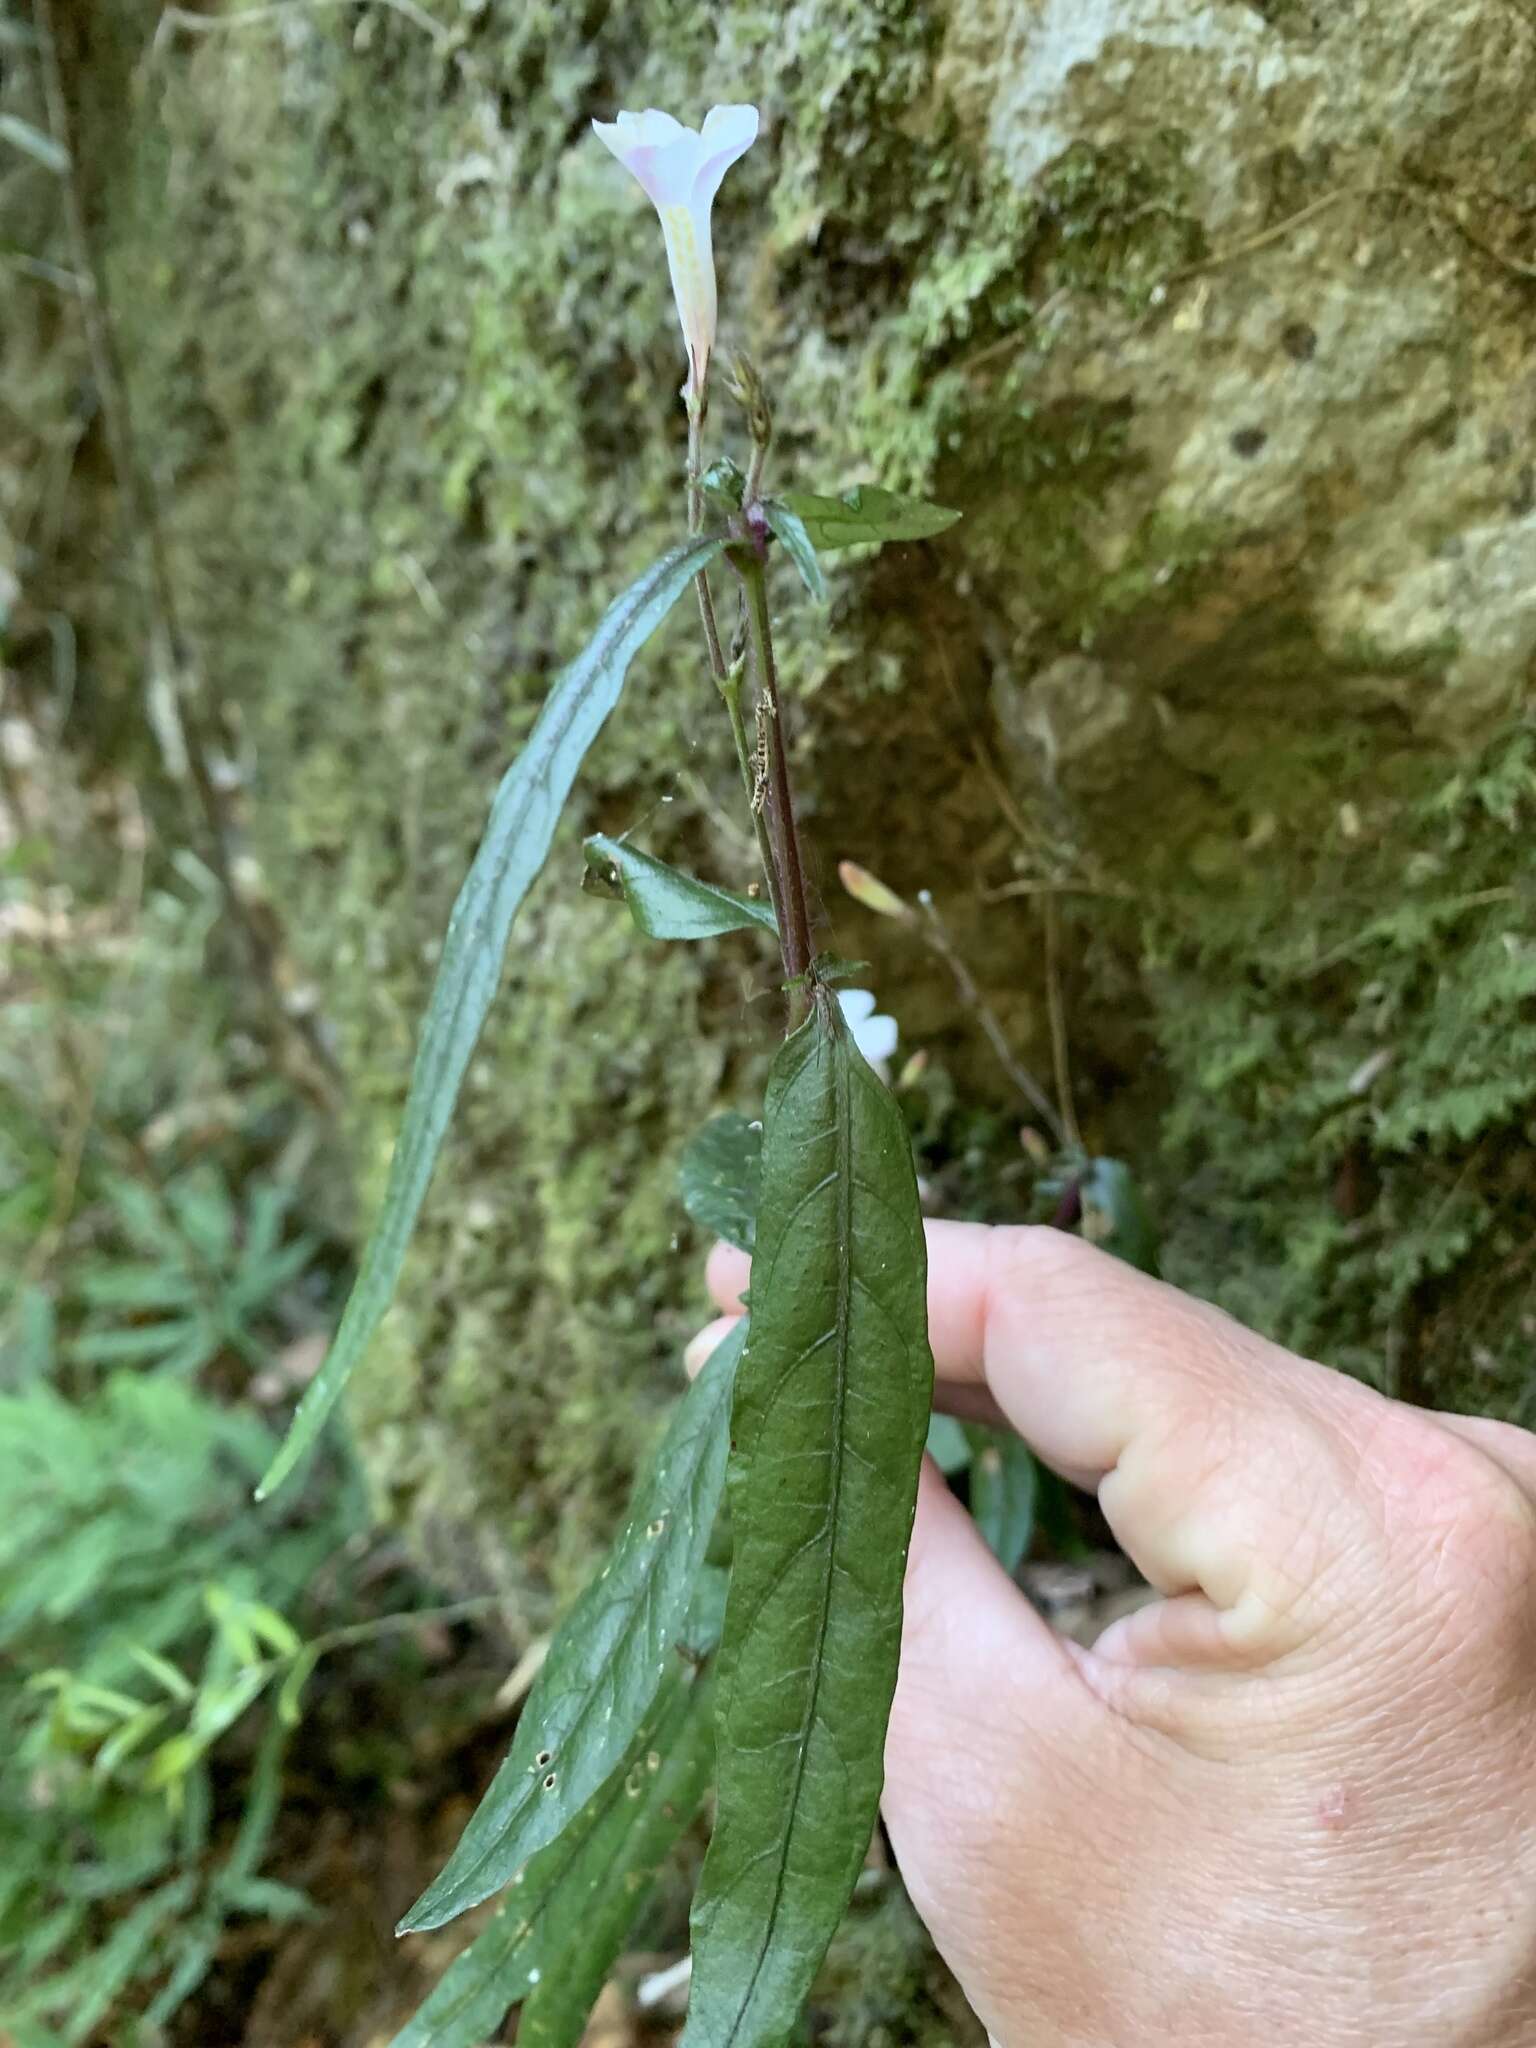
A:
(1216, 322)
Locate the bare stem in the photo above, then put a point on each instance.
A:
(695, 522)
(1059, 1051)
(938, 938)
(789, 870)
(727, 679)
(730, 690)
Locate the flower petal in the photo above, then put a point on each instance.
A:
(857, 1004)
(729, 132)
(652, 129)
(877, 1039)
(662, 164)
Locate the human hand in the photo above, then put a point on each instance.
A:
(1294, 1800)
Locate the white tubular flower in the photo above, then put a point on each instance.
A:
(874, 1036)
(680, 170)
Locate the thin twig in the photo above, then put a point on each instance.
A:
(40, 268)
(1058, 1016)
(727, 680)
(1005, 890)
(783, 834)
(1431, 203)
(1220, 257)
(937, 935)
(1002, 795)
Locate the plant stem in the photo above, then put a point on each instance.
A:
(789, 870)
(1059, 1053)
(730, 691)
(938, 938)
(695, 522)
(727, 680)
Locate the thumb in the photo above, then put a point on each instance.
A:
(991, 1712)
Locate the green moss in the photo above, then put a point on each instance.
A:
(1351, 1061)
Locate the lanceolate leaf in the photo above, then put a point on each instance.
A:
(667, 904)
(607, 1659)
(719, 1178)
(590, 1916)
(866, 513)
(523, 817)
(790, 530)
(1003, 1489)
(828, 1424)
(539, 1933)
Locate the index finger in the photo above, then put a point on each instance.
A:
(1081, 1353)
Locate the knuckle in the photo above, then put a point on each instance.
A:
(1469, 1520)
(1034, 1255)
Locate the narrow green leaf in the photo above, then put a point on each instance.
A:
(534, 1921)
(719, 1176)
(831, 1409)
(606, 1660)
(790, 530)
(108, 1969)
(866, 513)
(1004, 1483)
(588, 1920)
(35, 143)
(517, 839)
(667, 904)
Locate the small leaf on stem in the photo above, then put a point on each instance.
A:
(723, 483)
(866, 513)
(667, 904)
(797, 545)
